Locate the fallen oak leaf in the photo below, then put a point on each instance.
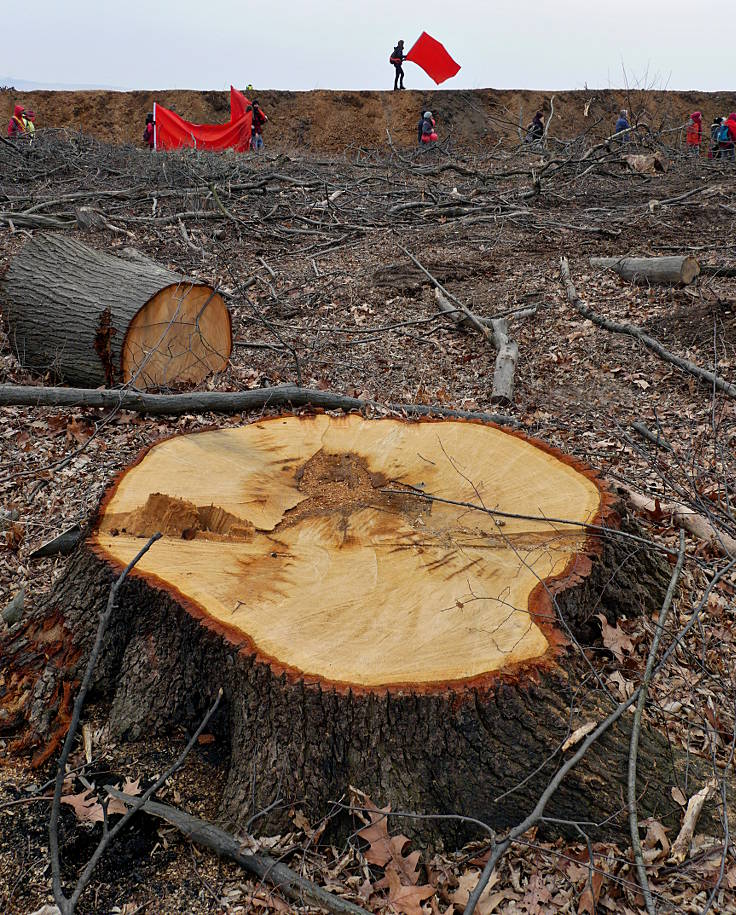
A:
(85, 805)
(376, 834)
(407, 899)
(615, 639)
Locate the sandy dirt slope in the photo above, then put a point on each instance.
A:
(331, 121)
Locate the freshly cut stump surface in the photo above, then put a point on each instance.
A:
(363, 634)
(284, 533)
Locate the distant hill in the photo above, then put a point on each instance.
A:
(27, 85)
(331, 121)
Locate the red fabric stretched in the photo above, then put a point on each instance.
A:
(431, 56)
(173, 132)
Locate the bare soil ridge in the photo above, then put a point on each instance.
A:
(332, 120)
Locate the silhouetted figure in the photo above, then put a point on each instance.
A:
(397, 58)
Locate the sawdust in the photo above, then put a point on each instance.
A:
(180, 518)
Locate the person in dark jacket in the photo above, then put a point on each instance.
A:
(148, 134)
(256, 126)
(715, 150)
(429, 134)
(535, 131)
(397, 58)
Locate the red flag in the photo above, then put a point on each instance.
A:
(431, 56)
(173, 132)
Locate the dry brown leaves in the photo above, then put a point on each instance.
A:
(89, 809)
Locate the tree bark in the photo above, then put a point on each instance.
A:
(483, 745)
(680, 269)
(455, 751)
(92, 319)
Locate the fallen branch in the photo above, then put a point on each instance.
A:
(685, 518)
(636, 731)
(507, 350)
(218, 401)
(263, 866)
(631, 330)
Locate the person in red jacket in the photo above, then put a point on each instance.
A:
(256, 126)
(694, 133)
(148, 133)
(727, 148)
(17, 124)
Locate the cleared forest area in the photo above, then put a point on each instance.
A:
(395, 285)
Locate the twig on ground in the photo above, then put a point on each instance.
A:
(263, 866)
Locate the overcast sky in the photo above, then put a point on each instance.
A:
(285, 44)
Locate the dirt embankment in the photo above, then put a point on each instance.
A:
(331, 121)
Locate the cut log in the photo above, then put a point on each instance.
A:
(363, 633)
(682, 269)
(91, 319)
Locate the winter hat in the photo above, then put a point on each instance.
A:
(696, 115)
(427, 115)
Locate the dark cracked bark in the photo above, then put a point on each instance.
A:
(481, 752)
(69, 307)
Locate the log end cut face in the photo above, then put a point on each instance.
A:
(306, 540)
(180, 336)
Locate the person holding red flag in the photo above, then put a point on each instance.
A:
(397, 58)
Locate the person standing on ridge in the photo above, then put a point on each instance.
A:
(148, 135)
(727, 137)
(694, 133)
(715, 152)
(17, 124)
(622, 123)
(397, 58)
(429, 134)
(256, 126)
(535, 131)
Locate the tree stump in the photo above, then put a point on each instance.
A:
(91, 318)
(363, 633)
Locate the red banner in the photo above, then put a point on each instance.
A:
(173, 132)
(431, 56)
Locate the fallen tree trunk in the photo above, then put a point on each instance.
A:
(682, 270)
(415, 649)
(220, 401)
(631, 330)
(93, 319)
(280, 876)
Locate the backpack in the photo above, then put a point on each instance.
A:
(724, 134)
(427, 128)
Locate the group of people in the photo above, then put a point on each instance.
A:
(722, 136)
(257, 121)
(22, 123)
